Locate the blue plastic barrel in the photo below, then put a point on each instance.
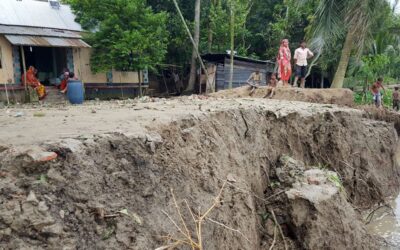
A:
(75, 92)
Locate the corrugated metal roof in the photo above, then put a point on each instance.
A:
(34, 31)
(34, 13)
(46, 41)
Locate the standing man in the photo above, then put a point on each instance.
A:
(300, 60)
(376, 92)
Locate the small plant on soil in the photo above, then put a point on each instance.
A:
(335, 179)
(275, 184)
(322, 166)
(42, 179)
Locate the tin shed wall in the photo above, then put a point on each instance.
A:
(7, 69)
(241, 73)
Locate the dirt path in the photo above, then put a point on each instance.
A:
(37, 124)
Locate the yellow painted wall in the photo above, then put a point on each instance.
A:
(84, 73)
(125, 77)
(7, 69)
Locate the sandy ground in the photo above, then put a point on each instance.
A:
(22, 125)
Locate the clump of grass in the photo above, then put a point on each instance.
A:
(39, 114)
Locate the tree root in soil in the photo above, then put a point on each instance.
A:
(279, 227)
(371, 214)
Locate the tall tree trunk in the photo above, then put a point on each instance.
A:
(210, 38)
(192, 79)
(232, 42)
(340, 74)
(210, 31)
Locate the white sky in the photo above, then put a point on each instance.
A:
(398, 6)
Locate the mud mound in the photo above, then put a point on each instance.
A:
(315, 200)
(118, 190)
(342, 97)
(386, 115)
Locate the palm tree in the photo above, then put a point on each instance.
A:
(351, 19)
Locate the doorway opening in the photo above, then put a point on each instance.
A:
(49, 61)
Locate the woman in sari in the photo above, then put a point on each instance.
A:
(33, 82)
(283, 59)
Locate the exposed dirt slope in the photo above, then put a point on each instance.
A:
(113, 191)
(342, 97)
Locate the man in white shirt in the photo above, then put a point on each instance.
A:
(300, 59)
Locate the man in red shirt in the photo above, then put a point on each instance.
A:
(376, 92)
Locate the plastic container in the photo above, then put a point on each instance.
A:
(75, 92)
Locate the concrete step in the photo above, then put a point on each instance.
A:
(54, 96)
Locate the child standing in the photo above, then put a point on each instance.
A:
(396, 98)
(376, 92)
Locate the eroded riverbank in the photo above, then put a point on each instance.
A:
(110, 186)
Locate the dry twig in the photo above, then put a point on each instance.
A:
(371, 215)
(195, 244)
(229, 228)
(274, 241)
(279, 227)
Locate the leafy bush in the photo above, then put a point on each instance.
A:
(361, 98)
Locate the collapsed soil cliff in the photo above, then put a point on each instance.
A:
(116, 191)
(343, 97)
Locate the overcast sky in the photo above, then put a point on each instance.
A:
(398, 6)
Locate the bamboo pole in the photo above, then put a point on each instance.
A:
(27, 95)
(7, 97)
(232, 24)
(140, 84)
(5, 85)
(191, 39)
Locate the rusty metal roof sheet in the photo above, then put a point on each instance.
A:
(35, 31)
(34, 13)
(44, 41)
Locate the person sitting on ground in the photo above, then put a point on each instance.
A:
(64, 82)
(33, 82)
(396, 99)
(376, 92)
(272, 84)
(254, 81)
(70, 77)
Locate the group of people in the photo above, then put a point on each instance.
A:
(377, 95)
(284, 61)
(66, 76)
(30, 79)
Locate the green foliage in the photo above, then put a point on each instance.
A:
(366, 98)
(334, 178)
(42, 179)
(127, 34)
(153, 32)
(218, 25)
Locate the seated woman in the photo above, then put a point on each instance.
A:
(33, 82)
(64, 82)
(68, 77)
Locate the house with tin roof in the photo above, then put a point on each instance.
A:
(44, 34)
